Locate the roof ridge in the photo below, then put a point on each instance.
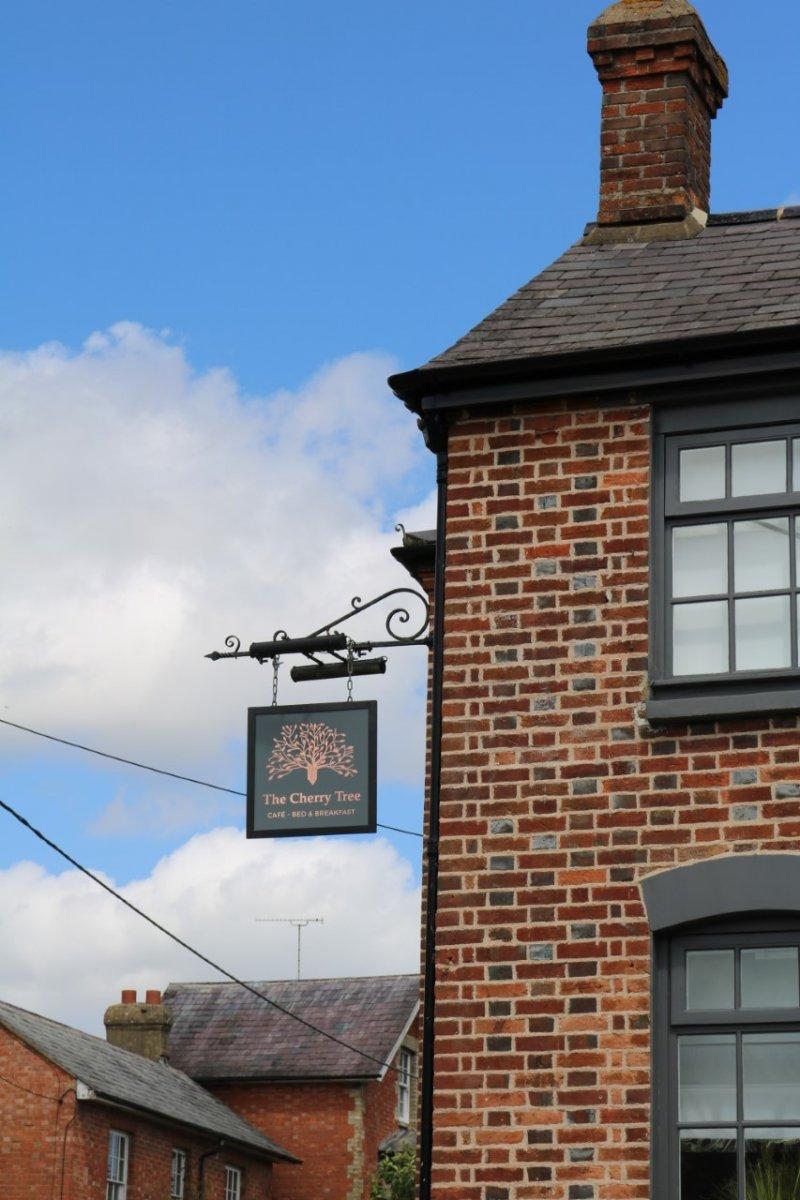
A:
(226, 983)
(785, 212)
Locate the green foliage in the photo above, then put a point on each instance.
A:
(395, 1177)
(773, 1177)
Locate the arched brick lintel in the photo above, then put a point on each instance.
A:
(722, 887)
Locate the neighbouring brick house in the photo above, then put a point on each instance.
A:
(617, 1005)
(83, 1120)
(343, 1108)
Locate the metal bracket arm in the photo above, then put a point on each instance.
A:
(329, 639)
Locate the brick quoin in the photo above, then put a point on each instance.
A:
(54, 1147)
(557, 801)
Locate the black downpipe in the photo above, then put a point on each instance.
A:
(201, 1169)
(437, 680)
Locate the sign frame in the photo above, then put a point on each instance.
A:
(370, 707)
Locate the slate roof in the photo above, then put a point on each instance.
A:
(126, 1078)
(740, 274)
(220, 1031)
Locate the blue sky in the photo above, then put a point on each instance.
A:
(280, 183)
(222, 226)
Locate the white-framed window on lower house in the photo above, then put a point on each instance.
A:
(405, 1070)
(117, 1169)
(233, 1183)
(177, 1178)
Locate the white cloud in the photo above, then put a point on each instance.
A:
(420, 516)
(146, 511)
(67, 949)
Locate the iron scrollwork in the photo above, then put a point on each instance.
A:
(399, 615)
(398, 618)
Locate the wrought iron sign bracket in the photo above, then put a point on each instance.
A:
(337, 646)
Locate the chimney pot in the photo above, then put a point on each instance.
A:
(152, 997)
(128, 996)
(659, 47)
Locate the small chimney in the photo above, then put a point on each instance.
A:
(142, 1028)
(663, 83)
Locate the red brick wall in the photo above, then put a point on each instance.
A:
(32, 1122)
(311, 1120)
(151, 1147)
(556, 802)
(329, 1126)
(50, 1150)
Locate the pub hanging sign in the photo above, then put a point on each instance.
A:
(311, 769)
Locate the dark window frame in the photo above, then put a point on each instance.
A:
(672, 1020)
(676, 428)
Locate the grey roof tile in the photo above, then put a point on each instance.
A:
(220, 1031)
(742, 273)
(129, 1079)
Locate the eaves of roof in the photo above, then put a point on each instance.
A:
(642, 365)
(276, 1154)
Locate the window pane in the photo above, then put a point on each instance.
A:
(709, 979)
(772, 1164)
(769, 978)
(178, 1175)
(117, 1157)
(708, 1164)
(796, 465)
(763, 633)
(700, 560)
(707, 1077)
(761, 554)
(758, 468)
(703, 474)
(771, 1076)
(700, 638)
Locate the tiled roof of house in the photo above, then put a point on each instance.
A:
(220, 1031)
(124, 1078)
(740, 274)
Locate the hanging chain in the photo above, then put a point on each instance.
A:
(350, 658)
(276, 663)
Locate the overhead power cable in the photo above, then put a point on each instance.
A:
(129, 762)
(287, 1012)
(21, 1087)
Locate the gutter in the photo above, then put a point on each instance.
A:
(641, 364)
(84, 1093)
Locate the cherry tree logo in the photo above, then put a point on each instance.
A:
(310, 747)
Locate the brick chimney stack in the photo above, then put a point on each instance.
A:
(663, 82)
(142, 1028)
